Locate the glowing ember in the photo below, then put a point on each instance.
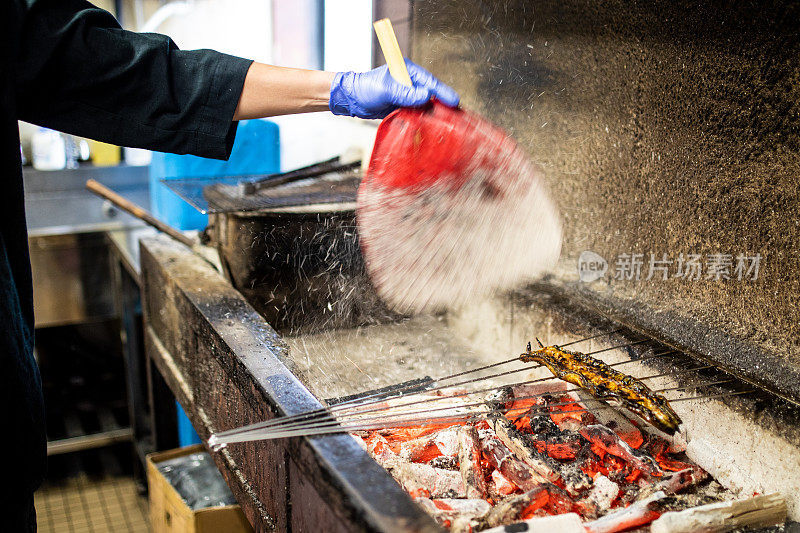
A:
(545, 456)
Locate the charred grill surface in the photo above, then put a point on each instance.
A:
(605, 383)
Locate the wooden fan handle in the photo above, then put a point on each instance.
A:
(391, 51)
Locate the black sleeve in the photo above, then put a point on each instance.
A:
(77, 71)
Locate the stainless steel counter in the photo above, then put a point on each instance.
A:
(66, 231)
(125, 243)
(57, 202)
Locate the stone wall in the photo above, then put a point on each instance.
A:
(664, 127)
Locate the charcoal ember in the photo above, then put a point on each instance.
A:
(683, 479)
(501, 484)
(420, 450)
(637, 514)
(569, 475)
(676, 482)
(625, 428)
(380, 450)
(446, 511)
(611, 443)
(599, 498)
(549, 399)
(546, 498)
(499, 398)
(425, 480)
(469, 461)
(568, 414)
(595, 460)
(558, 501)
(509, 509)
(427, 504)
(626, 431)
(428, 447)
(416, 479)
(563, 445)
(677, 443)
(629, 493)
(404, 433)
(444, 461)
(469, 507)
(500, 456)
(542, 424)
(659, 448)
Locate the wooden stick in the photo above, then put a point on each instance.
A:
(391, 51)
(759, 511)
(135, 210)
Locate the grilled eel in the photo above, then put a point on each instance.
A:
(605, 383)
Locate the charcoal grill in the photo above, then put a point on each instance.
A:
(662, 128)
(229, 368)
(288, 243)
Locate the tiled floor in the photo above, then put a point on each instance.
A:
(84, 505)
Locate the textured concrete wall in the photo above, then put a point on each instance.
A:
(666, 127)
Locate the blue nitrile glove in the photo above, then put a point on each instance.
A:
(375, 94)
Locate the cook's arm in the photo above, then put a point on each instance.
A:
(270, 91)
(77, 71)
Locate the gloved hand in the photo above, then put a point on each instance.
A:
(375, 94)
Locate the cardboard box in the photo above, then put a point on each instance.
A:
(170, 514)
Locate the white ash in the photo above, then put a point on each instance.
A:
(378, 447)
(341, 362)
(453, 507)
(562, 523)
(440, 483)
(360, 442)
(461, 514)
(721, 466)
(447, 441)
(602, 494)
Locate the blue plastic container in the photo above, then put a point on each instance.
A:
(255, 151)
(186, 433)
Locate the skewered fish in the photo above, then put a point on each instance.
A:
(605, 383)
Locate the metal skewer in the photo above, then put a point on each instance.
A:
(404, 422)
(389, 422)
(310, 423)
(336, 423)
(315, 415)
(371, 399)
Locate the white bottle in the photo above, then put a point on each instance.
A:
(137, 157)
(49, 150)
